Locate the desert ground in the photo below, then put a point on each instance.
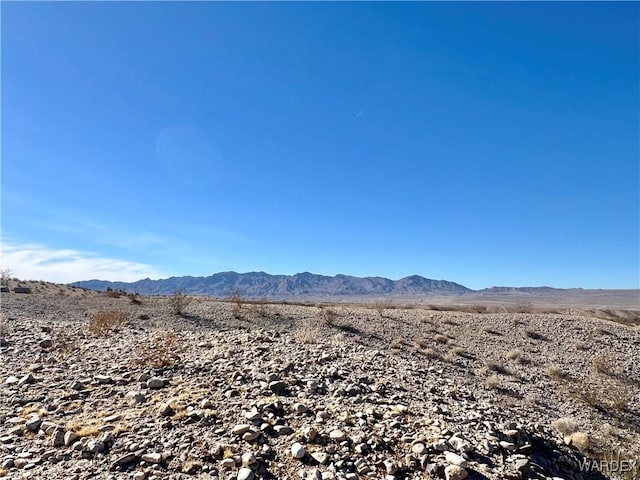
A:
(110, 386)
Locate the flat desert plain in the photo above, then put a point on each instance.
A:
(121, 386)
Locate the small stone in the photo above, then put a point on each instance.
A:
(454, 472)
(96, 446)
(11, 380)
(46, 343)
(320, 457)
(250, 436)
(298, 450)
(152, 458)
(69, 438)
(248, 459)
(165, 409)
(522, 464)
(245, 474)
(337, 435)
(240, 429)
(125, 460)
(103, 379)
(418, 448)
(455, 459)
(33, 424)
(155, 383)
(26, 380)
(278, 387)
(507, 445)
(134, 398)
(57, 438)
(282, 429)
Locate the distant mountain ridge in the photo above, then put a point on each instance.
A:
(261, 284)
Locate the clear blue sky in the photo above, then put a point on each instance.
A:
(483, 143)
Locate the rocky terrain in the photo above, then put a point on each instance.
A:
(115, 386)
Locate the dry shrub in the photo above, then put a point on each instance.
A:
(513, 354)
(107, 321)
(578, 439)
(329, 317)
(440, 338)
(492, 382)
(556, 372)
(565, 425)
(179, 302)
(454, 353)
(163, 350)
(603, 364)
(237, 300)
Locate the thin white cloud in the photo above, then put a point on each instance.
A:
(38, 262)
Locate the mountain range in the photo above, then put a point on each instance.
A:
(260, 284)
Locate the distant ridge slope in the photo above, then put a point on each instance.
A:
(261, 284)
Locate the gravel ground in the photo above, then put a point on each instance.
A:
(257, 391)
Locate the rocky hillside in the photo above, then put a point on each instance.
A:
(260, 284)
(95, 386)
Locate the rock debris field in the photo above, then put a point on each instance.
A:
(113, 387)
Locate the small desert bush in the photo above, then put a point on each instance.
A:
(237, 300)
(578, 439)
(440, 338)
(604, 365)
(556, 372)
(454, 353)
(492, 382)
(107, 321)
(329, 317)
(135, 299)
(565, 425)
(179, 302)
(513, 354)
(381, 307)
(163, 350)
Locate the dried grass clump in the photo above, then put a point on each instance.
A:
(440, 338)
(104, 322)
(565, 425)
(237, 300)
(163, 351)
(604, 365)
(179, 302)
(492, 382)
(577, 439)
(556, 372)
(513, 354)
(454, 353)
(329, 317)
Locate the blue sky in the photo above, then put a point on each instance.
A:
(483, 143)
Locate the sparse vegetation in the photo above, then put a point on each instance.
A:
(179, 302)
(329, 317)
(163, 350)
(5, 276)
(107, 321)
(237, 300)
